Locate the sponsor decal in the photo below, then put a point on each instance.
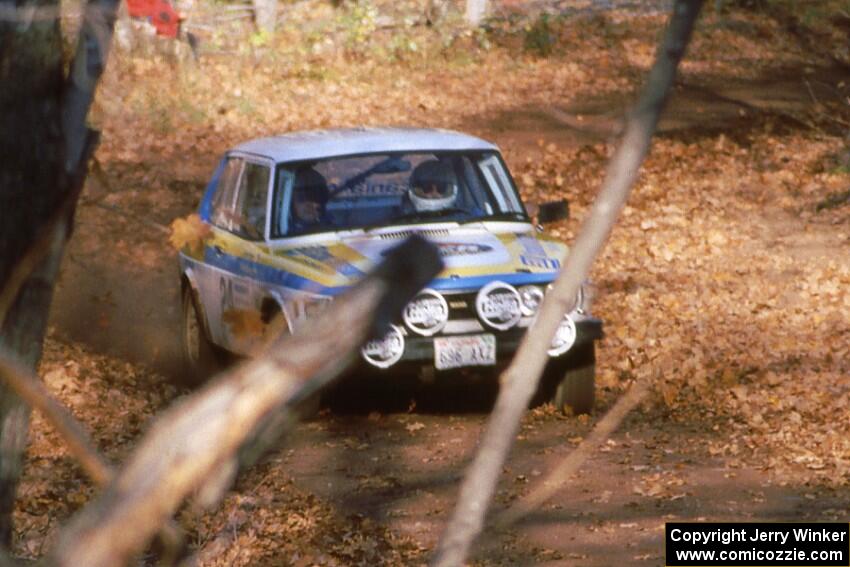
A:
(454, 249)
(457, 252)
(370, 190)
(543, 262)
(451, 249)
(531, 246)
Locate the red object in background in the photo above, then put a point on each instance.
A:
(160, 13)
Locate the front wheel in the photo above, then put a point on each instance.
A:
(575, 376)
(200, 359)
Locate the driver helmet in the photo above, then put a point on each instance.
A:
(433, 186)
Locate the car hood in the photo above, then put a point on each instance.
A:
(472, 257)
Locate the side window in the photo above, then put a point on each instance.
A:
(252, 200)
(282, 196)
(500, 184)
(224, 200)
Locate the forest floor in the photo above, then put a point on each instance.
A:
(726, 281)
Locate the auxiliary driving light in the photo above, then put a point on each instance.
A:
(427, 313)
(499, 305)
(385, 351)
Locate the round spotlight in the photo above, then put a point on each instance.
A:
(498, 305)
(385, 351)
(427, 313)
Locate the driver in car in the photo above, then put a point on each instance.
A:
(433, 187)
(309, 198)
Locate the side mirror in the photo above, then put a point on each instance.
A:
(553, 211)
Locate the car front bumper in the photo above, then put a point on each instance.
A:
(418, 349)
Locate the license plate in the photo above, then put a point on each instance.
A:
(468, 350)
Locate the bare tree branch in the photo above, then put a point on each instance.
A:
(572, 462)
(520, 379)
(193, 447)
(97, 174)
(31, 390)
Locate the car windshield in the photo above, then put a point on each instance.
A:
(364, 192)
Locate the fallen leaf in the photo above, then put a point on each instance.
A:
(189, 232)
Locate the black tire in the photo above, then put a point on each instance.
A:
(575, 377)
(200, 356)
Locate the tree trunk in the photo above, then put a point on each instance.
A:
(31, 183)
(44, 149)
(475, 11)
(265, 15)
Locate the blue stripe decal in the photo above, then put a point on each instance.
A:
(266, 274)
(480, 281)
(274, 276)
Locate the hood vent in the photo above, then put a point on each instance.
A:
(406, 233)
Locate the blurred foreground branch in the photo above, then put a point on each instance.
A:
(193, 448)
(520, 379)
(32, 391)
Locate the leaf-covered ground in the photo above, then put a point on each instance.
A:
(725, 281)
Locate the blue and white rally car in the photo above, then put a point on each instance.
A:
(295, 220)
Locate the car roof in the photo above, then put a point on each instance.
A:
(319, 144)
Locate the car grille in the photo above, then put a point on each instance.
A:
(406, 233)
(461, 306)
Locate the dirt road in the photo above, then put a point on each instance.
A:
(730, 263)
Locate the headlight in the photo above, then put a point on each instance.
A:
(385, 351)
(498, 304)
(530, 297)
(427, 313)
(565, 337)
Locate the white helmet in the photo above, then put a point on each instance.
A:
(433, 187)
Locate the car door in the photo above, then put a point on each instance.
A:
(243, 290)
(231, 286)
(211, 275)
